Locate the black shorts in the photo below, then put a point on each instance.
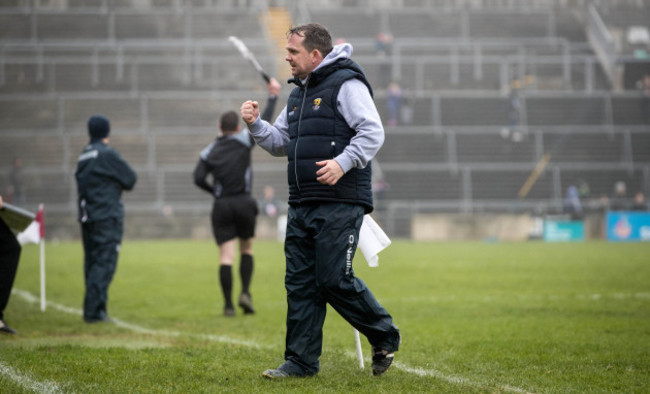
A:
(233, 217)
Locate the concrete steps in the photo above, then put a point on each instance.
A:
(276, 23)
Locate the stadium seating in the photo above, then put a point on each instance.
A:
(420, 182)
(565, 110)
(490, 146)
(163, 72)
(419, 145)
(504, 185)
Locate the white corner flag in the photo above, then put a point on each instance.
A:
(35, 233)
(372, 240)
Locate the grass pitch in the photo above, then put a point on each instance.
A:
(475, 317)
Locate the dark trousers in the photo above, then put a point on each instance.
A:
(320, 243)
(9, 257)
(101, 241)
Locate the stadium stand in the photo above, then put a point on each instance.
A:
(619, 33)
(163, 72)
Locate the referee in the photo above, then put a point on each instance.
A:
(228, 161)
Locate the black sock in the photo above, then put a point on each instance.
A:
(246, 271)
(225, 278)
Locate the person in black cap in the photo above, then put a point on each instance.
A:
(102, 174)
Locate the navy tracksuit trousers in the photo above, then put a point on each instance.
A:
(101, 241)
(9, 257)
(321, 240)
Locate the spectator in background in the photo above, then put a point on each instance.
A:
(9, 257)
(619, 201)
(572, 204)
(394, 103)
(383, 44)
(102, 175)
(406, 115)
(601, 204)
(269, 204)
(514, 108)
(639, 203)
(16, 192)
(379, 186)
(227, 160)
(383, 51)
(513, 113)
(584, 191)
(643, 86)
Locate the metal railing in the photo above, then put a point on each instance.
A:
(604, 46)
(198, 59)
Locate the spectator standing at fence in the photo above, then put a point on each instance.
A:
(270, 204)
(639, 203)
(332, 114)
(227, 160)
(406, 115)
(643, 86)
(102, 175)
(9, 257)
(514, 108)
(379, 186)
(384, 51)
(620, 200)
(394, 103)
(572, 204)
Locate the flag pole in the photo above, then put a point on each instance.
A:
(41, 231)
(32, 233)
(42, 275)
(372, 240)
(357, 339)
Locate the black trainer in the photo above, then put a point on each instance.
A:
(246, 303)
(4, 328)
(104, 319)
(381, 360)
(286, 370)
(276, 373)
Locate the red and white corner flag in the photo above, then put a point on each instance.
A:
(35, 233)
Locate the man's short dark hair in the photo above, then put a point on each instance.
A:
(229, 121)
(316, 37)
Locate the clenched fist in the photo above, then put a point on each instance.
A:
(250, 110)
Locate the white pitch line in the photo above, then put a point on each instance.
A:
(454, 379)
(528, 297)
(29, 383)
(434, 373)
(225, 339)
(27, 296)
